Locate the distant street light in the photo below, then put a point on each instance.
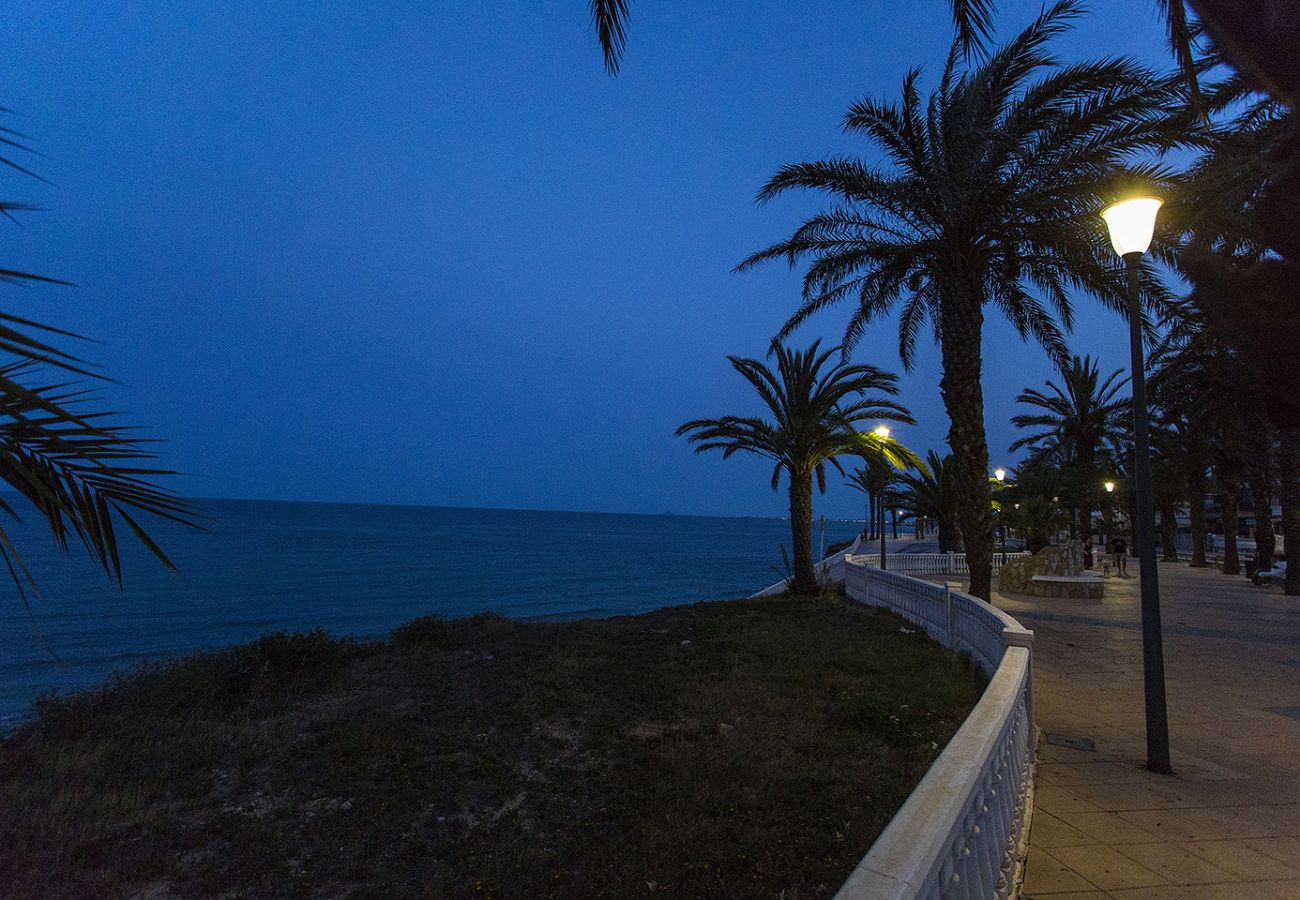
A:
(1108, 515)
(1001, 475)
(1131, 224)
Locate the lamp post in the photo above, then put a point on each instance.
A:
(882, 432)
(1108, 516)
(1131, 224)
(1001, 476)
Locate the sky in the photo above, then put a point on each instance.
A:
(430, 253)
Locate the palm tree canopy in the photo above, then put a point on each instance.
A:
(931, 491)
(884, 458)
(813, 404)
(992, 189)
(83, 473)
(1081, 418)
(973, 20)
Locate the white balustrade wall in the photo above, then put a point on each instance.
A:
(832, 568)
(962, 832)
(931, 563)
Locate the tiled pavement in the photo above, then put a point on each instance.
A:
(1227, 823)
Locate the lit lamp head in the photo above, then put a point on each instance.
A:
(1110, 487)
(1132, 223)
(881, 431)
(1000, 474)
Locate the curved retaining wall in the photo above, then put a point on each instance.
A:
(832, 567)
(962, 832)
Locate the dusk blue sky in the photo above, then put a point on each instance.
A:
(428, 252)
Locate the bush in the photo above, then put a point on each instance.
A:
(214, 681)
(426, 631)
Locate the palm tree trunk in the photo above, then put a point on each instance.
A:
(1260, 478)
(1196, 483)
(963, 397)
(1168, 532)
(945, 536)
(1085, 496)
(1288, 473)
(805, 576)
(1228, 505)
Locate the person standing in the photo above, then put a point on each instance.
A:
(1119, 553)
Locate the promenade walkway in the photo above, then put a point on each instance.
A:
(1227, 823)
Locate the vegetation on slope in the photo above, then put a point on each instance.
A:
(742, 748)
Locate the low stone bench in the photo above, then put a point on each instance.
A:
(1077, 587)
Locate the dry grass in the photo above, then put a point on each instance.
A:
(739, 749)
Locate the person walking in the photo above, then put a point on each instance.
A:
(1119, 553)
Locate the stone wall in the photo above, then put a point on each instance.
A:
(1060, 561)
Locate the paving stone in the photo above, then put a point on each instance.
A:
(1107, 868)
(1048, 831)
(1232, 808)
(1045, 874)
(1177, 864)
(1247, 858)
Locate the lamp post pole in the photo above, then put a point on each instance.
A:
(1153, 655)
(882, 527)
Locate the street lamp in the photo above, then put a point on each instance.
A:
(882, 432)
(1131, 224)
(1108, 515)
(1001, 475)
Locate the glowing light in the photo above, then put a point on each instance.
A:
(1000, 474)
(1132, 223)
(881, 431)
(1110, 487)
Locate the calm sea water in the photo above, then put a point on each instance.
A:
(359, 570)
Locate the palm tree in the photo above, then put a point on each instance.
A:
(931, 493)
(84, 474)
(884, 458)
(1168, 483)
(1078, 427)
(991, 197)
(814, 405)
(1036, 517)
(1031, 503)
(1202, 382)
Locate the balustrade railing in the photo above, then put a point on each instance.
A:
(961, 832)
(931, 563)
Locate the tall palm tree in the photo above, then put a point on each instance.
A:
(813, 407)
(991, 198)
(931, 493)
(83, 473)
(1078, 426)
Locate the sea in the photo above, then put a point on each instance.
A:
(360, 570)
